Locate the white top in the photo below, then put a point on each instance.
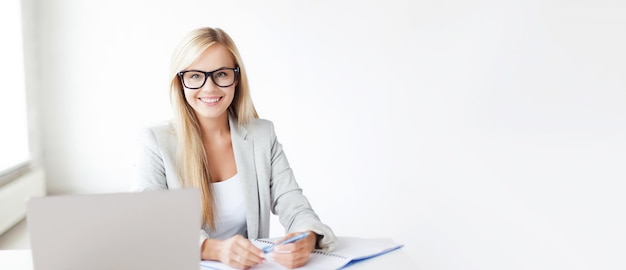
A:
(230, 218)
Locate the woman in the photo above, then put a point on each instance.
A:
(217, 144)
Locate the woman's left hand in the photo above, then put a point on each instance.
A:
(294, 254)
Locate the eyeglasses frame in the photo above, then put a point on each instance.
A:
(208, 74)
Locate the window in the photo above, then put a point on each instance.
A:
(14, 149)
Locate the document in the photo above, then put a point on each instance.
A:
(349, 250)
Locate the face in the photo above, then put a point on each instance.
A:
(211, 102)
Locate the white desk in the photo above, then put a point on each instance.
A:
(16, 260)
(398, 259)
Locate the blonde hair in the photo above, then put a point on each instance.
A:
(192, 166)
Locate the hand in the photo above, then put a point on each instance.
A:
(237, 252)
(294, 254)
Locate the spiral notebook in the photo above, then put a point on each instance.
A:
(349, 250)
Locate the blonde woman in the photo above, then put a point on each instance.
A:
(217, 144)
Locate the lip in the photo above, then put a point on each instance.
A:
(210, 101)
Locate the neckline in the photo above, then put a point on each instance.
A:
(231, 179)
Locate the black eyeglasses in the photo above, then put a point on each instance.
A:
(195, 79)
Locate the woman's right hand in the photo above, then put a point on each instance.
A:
(237, 252)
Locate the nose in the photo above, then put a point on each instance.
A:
(209, 86)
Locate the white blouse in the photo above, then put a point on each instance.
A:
(230, 218)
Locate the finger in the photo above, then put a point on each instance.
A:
(247, 245)
(286, 236)
(240, 262)
(248, 253)
(243, 261)
(304, 244)
(286, 248)
(250, 260)
(247, 249)
(290, 256)
(291, 260)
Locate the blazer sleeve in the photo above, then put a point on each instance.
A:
(293, 208)
(149, 164)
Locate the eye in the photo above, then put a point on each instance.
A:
(221, 74)
(194, 76)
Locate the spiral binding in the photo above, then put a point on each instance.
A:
(329, 254)
(264, 241)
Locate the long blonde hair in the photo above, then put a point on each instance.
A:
(192, 166)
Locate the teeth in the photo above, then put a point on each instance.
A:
(210, 100)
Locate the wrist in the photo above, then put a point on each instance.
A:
(210, 249)
(313, 239)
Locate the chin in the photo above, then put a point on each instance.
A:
(211, 115)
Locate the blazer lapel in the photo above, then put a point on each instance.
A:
(243, 149)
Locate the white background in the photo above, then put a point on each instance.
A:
(480, 134)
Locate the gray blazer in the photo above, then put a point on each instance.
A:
(270, 185)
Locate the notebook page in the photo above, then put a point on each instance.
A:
(347, 251)
(355, 248)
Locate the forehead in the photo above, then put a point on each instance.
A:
(214, 57)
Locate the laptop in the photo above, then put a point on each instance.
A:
(149, 230)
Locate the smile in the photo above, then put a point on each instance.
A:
(210, 100)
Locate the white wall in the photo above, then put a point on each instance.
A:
(481, 134)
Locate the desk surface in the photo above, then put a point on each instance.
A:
(398, 259)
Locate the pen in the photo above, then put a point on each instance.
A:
(269, 249)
